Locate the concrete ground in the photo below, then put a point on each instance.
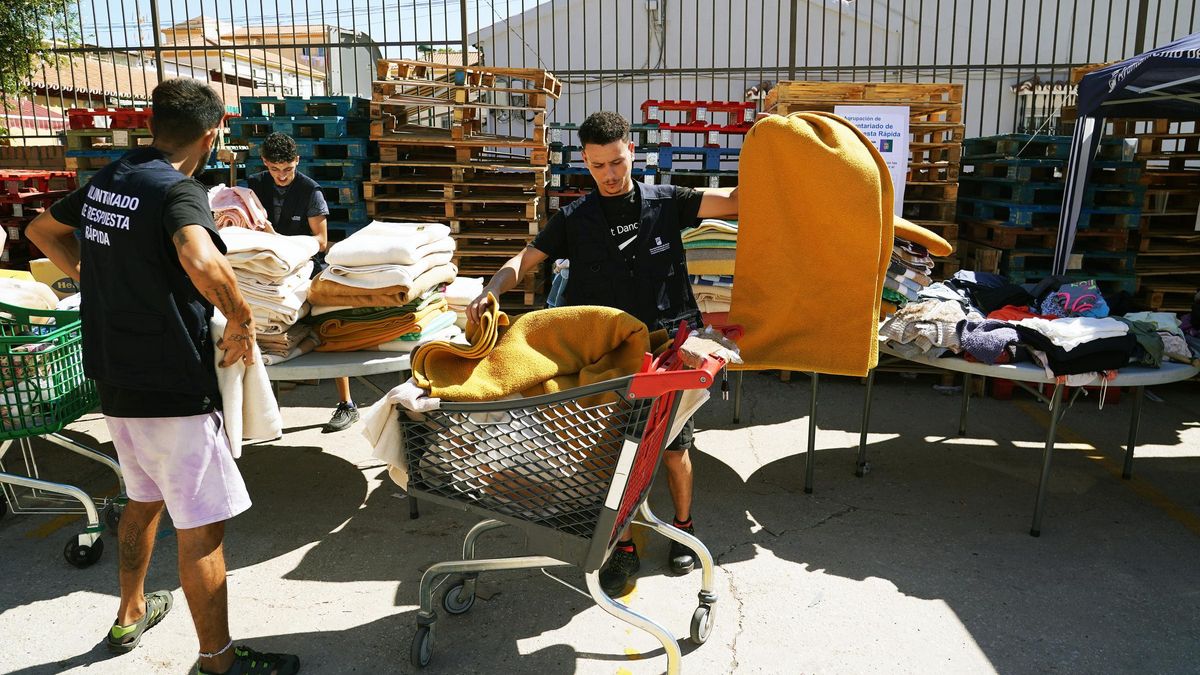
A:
(925, 565)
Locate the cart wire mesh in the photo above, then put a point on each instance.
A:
(550, 463)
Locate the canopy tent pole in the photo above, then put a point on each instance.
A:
(1084, 145)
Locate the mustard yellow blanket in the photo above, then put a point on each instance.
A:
(541, 352)
(814, 241)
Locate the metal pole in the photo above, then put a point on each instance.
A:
(158, 65)
(863, 467)
(1040, 505)
(1135, 419)
(966, 404)
(792, 43)
(812, 439)
(1139, 42)
(462, 11)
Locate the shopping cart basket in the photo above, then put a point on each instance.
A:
(570, 470)
(42, 389)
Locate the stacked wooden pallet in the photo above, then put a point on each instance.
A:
(1168, 238)
(1010, 202)
(440, 162)
(96, 137)
(936, 126)
(331, 138)
(23, 195)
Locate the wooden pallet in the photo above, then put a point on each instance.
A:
(107, 139)
(404, 174)
(472, 75)
(913, 95)
(397, 141)
(999, 235)
(1168, 296)
(466, 119)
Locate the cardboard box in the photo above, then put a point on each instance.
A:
(44, 271)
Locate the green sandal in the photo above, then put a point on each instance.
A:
(246, 661)
(123, 639)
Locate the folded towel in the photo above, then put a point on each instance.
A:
(349, 335)
(711, 261)
(248, 402)
(383, 243)
(711, 280)
(815, 196)
(305, 346)
(266, 253)
(711, 228)
(326, 292)
(1164, 321)
(237, 207)
(372, 277)
(283, 343)
(1071, 332)
(450, 333)
(541, 352)
(463, 290)
(708, 243)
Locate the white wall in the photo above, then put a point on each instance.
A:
(1013, 37)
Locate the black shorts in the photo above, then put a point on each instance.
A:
(684, 440)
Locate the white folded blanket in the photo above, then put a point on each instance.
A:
(266, 253)
(284, 284)
(249, 404)
(382, 243)
(383, 276)
(463, 290)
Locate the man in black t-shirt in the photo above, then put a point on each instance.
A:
(152, 267)
(623, 243)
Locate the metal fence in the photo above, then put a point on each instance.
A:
(1014, 56)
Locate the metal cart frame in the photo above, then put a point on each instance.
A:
(567, 519)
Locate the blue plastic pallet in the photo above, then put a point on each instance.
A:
(342, 106)
(348, 213)
(299, 127)
(345, 227)
(321, 170)
(710, 157)
(323, 148)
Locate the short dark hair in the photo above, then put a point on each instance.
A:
(184, 110)
(279, 148)
(603, 128)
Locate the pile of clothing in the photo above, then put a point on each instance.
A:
(237, 207)
(711, 248)
(384, 288)
(273, 273)
(911, 265)
(1065, 326)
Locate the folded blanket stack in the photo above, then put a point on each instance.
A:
(711, 247)
(299, 339)
(384, 289)
(272, 272)
(908, 273)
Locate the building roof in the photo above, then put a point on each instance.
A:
(94, 77)
(26, 114)
(255, 55)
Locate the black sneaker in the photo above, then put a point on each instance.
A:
(247, 661)
(682, 558)
(343, 416)
(615, 575)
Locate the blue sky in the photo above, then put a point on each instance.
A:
(126, 23)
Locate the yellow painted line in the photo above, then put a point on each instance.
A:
(1141, 488)
(639, 541)
(51, 526)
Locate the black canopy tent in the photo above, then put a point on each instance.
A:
(1163, 83)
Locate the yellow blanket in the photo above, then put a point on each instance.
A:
(343, 335)
(815, 236)
(711, 228)
(540, 352)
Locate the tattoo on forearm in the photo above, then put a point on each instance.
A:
(222, 297)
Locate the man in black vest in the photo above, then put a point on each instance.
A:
(141, 240)
(295, 205)
(624, 246)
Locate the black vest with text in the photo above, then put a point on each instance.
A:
(145, 326)
(293, 213)
(657, 291)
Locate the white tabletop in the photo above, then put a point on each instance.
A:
(322, 365)
(1130, 376)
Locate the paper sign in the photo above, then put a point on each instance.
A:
(887, 128)
(1075, 261)
(120, 138)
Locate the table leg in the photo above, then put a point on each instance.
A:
(812, 438)
(862, 467)
(737, 397)
(966, 404)
(1040, 505)
(414, 511)
(1135, 418)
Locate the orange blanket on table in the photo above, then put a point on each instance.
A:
(815, 233)
(348, 335)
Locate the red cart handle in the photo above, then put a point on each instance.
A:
(666, 373)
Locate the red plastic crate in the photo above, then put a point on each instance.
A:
(118, 118)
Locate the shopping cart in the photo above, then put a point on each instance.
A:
(42, 389)
(570, 470)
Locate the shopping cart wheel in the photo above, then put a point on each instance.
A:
(422, 647)
(702, 623)
(112, 517)
(81, 555)
(457, 600)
